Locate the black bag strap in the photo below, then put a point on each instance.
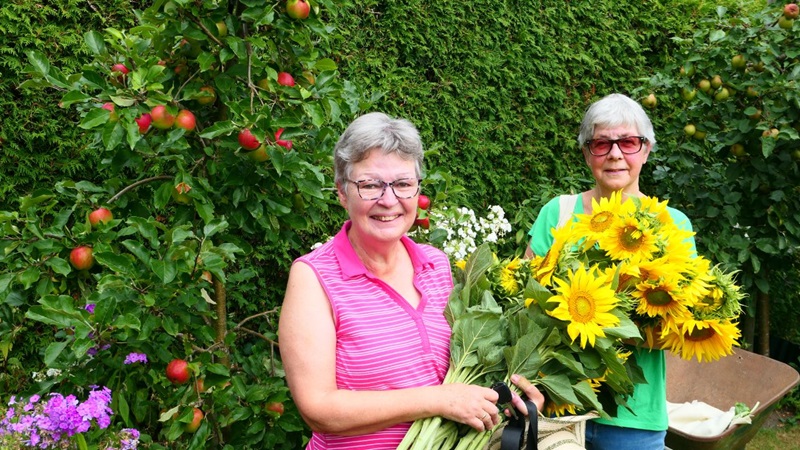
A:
(513, 437)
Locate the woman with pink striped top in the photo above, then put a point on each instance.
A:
(363, 338)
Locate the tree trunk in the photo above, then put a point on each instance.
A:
(222, 319)
(762, 315)
(748, 325)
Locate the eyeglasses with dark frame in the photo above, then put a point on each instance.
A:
(628, 145)
(402, 188)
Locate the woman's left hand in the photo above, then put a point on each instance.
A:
(529, 390)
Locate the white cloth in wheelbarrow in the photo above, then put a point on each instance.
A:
(700, 419)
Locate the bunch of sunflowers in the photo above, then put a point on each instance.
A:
(631, 257)
(625, 274)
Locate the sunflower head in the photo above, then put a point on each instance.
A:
(707, 340)
(585, 300)
(629, 239)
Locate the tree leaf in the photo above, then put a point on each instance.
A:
(39, 62)
(95, 42)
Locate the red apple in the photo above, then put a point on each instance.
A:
(197, 418)
(283, 143)
(178, 371)
(247, 140)
(144, 122)
(297, 9)
(791, 11)
(185, 120)
(81, 258)
(209, 95)
(112, 117)
(100, 215)
(276, 407)
(423, 222)
(285, 79)
(122, 70)
(162, 119)
(423, 201)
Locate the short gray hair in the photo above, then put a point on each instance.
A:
(376, 130)
(615, 110)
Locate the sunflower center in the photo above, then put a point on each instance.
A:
(699, 334)
(631, 238)
(601, 221)
(581, 307)
(658, 297)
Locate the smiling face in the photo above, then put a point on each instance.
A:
(617, 171)
(385, 220)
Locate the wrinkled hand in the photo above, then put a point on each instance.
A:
(471, 405)
(529, 390)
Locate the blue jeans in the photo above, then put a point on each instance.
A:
(608, 437)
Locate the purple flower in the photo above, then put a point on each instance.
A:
(136, 357)
(89, 307)
(129, 439)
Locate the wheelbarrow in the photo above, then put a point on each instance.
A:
(744, 377)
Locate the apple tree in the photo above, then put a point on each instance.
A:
(203, 218)
(728, 115)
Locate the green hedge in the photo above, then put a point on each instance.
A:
(500, 87)
(39, 142)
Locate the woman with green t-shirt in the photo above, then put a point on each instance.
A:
(616, 137)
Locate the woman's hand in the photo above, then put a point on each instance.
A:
(471, 405)
(529, 390)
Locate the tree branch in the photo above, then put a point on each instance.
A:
(137, 184)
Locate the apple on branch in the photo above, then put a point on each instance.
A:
(185, 120)
(112, 110)
(298, 9)
(162, 119)
(144, 122)
(423, 201)
(247, 140)
(178, 371)
(207, 95)
(791, 11)
(285, 79)
(81, 257)
(197, 418)
(100, 215)
(122, 71)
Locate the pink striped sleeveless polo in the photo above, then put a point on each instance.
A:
(382, 342)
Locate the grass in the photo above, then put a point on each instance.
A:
(778, 433)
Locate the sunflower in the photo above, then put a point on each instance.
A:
(554, 410)
(548, 265)
(708, 340)
(723, 297)
(604, 214)
(654, 208)
(661, 298)
(627, 239)
(698, 279)
(585, 301)
(508, 276)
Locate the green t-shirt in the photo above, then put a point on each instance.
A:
(649, 401)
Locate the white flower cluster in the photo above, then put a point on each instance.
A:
(51, 373)
(465, 231)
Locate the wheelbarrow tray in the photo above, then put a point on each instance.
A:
(744, 377)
